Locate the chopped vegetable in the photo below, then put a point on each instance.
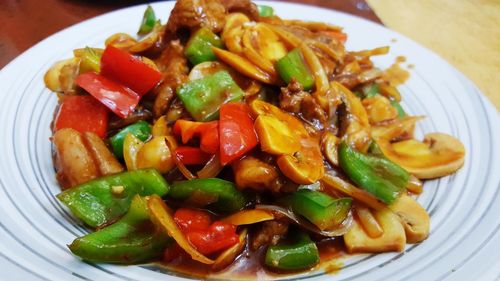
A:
(82, 113)
(119, 99)
(128, 70)
(148, 21)
(301, 254)
(199, 46)
(95, 204)
(236, 132)
(207, 132)
(90, 60)
(399, 108)
(370, 90)
(244, 217)
(226, 198)
(294, 66)
(161, 215)
(393, 238)
(141, 130)
(230, 254)
(322, 210)
(379, 176)
(265, 11)
(205, 236)
(203, 97)
(132, 239)
(191, 155)
(156, 154)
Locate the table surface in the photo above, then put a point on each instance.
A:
(26, 22)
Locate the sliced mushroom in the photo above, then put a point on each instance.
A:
(399, 128)
(438, 155)
(393, 238)
(275, 136)
(281, 134)
(304, 166)
(414, 218)
(329, 144)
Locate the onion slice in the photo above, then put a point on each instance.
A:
(244, 217)
(212, 168)
(341, 230)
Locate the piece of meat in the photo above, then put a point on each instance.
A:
(74, 163)
(104, 159)
(294, 99)
(174, 67)
(246, 7)
(269, 233)
(193, 14)
(251, 172)
(82, 157)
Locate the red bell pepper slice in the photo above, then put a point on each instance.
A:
(192, 219)
(205, 237)
(189, 155)
(208, 133)
(128, 70)
(119, 99)
(84, 114)
(236, 131)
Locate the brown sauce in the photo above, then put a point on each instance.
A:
(250, 265)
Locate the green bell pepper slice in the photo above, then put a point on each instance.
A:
(204, 97)
(265, 11)
(140, 129)
(293, 66)
(399, 109)
(319, 208)
(148, 21)
(199, 46)
(90, 61)
(370, 91)
(217, 194)
(104, 200)
(132, 239)
(379, 176)
(301, 254)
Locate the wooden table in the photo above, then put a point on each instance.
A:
(23, 23)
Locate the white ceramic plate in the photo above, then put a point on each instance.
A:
(464, 208)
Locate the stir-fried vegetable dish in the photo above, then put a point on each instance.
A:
(229, 135)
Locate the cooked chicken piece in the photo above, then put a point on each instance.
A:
(173, 64)
(253, 173)
(82, 157)
(103, 158)
(74, 163)
(193, 14)
(269, 234)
